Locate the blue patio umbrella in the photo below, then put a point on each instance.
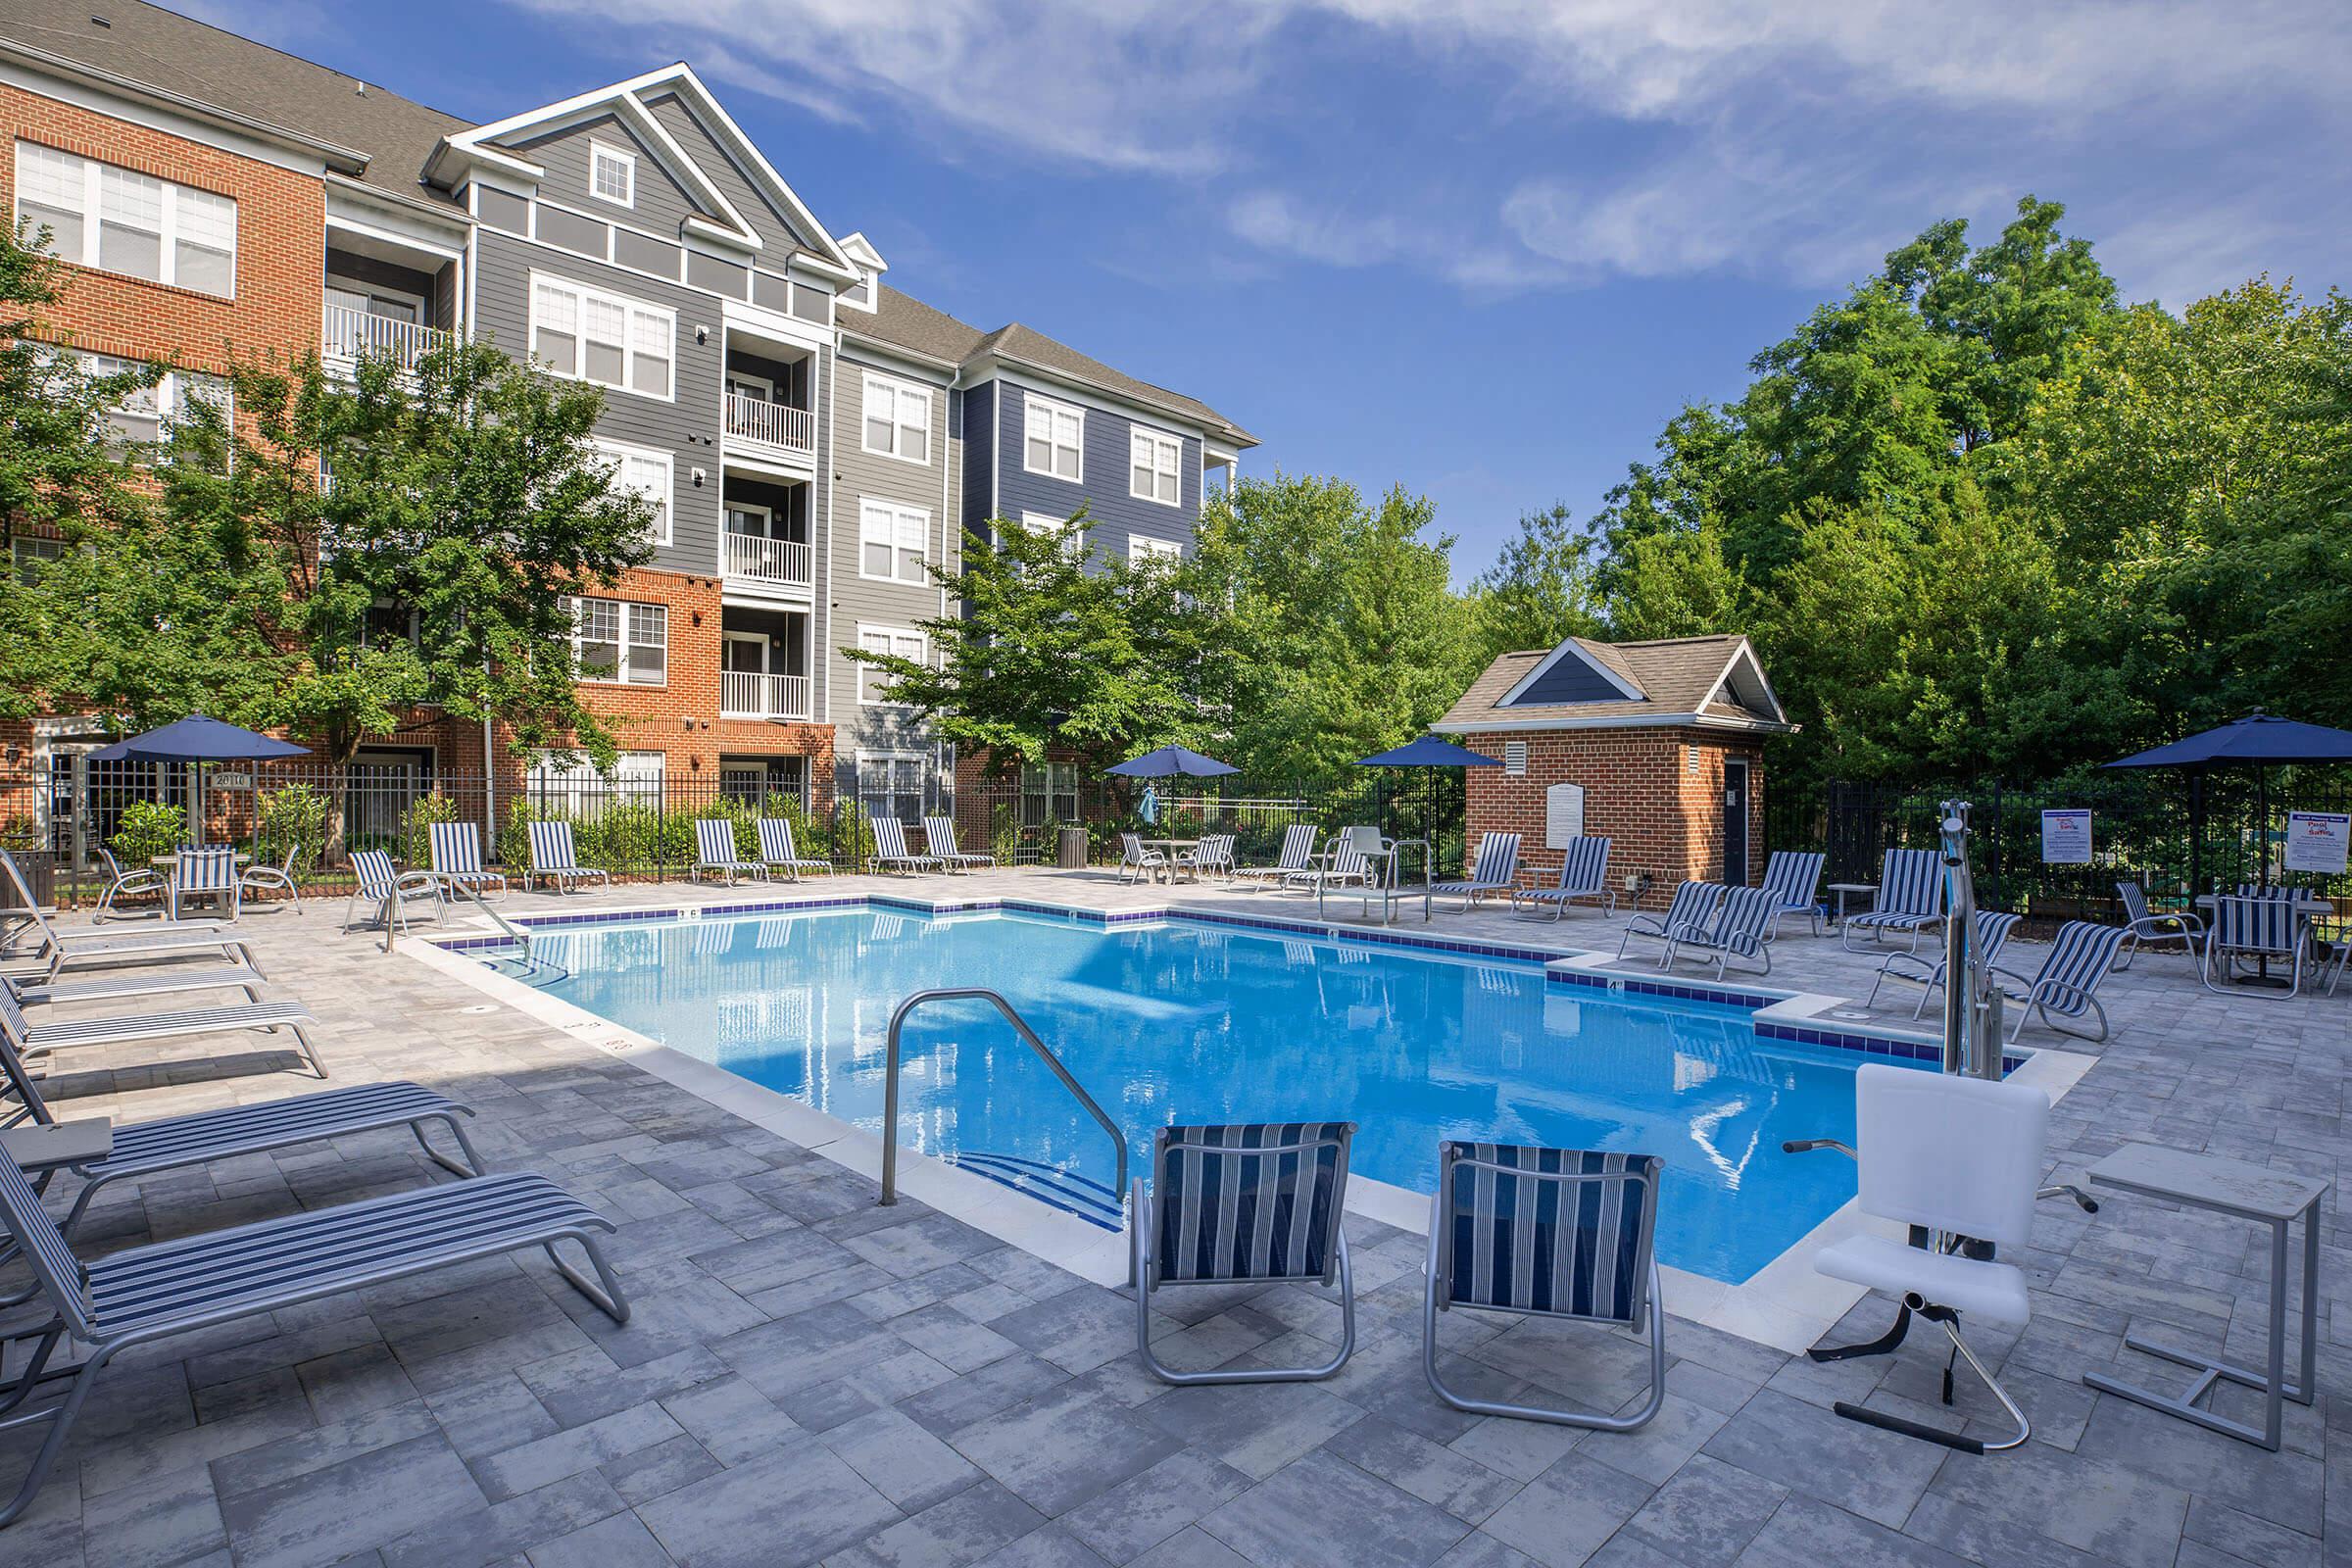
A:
(2257, 741)
(196, 740)
(1172, 761)
(1431, 752)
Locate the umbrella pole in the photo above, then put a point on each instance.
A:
(2262, 825)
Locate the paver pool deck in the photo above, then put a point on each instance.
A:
(811, 1378)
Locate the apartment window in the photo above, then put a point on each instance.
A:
(891, 540)
(884, 640)
(648, 472)
(569, 783)
(145, 416)
(619, 643)
(612, 174)
(1158, 461)
(589, 335)
(1158, 551)
(1055, 434)
(890, 784)
(1073, 537)
(33, 556)
(120, 220)
(897, 420)
(1049, 794)
(861, 294)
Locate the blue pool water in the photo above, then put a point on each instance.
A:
(1185, 1021)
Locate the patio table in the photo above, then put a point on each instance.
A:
(2307, 908)
(1841, 889)
(1167, 849)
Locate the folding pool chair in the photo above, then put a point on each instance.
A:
(938, 837)
(390, 892)
(1560, 1233)
(1741, 929)
(152, 1292)
(1993, 934)
(1136, 864)
(890, 849)
(1693, 905)
(457, 852)
(36, 1040)
(780, 854)
(207, 873)
(1794, 877)
(1584, 874)
(139, 880)
(1248, 1205)
(2066, 986)
(1297, 864)
(2263, 928)
(1495, 869)
(555, 857)
(1911, 894)
(2141, 928)
(714, 852)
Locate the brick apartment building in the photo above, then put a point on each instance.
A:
(1664, 740)
(811, 436)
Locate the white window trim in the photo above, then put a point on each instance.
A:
(621, 450)
(1142, 547)
(168, 241)
(620, 671)
(866, 672)
(631, 306)
(1073, 539)
(898, 389)
(1031, 404)
(628, 163)
(1144, 433)
(171, 393)
(897, 512)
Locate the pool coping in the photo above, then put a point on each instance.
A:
(1784, 1304)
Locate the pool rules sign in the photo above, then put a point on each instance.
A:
(1563, 816)
(2316, 841)
(2066, 838)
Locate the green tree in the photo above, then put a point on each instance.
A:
(1539, 589)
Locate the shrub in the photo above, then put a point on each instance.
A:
(291, 818)
(146, 830)
(416, 834)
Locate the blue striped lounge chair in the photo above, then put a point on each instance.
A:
(555, 858)
(1246, 1205)
(1741, 929)
(389, 893)
(205, 873)
(1296, 863)
(142, 1293)
(1558, 1233)
(1584, 874)
(1794, 877)
(457, 852)
(1495, 870)
(123, 1028)
(2144, 928)
(1992, 935)
(1693, 905)
(112, 950)
(891, 852)
(714, 851)
(1911, 894)
(777, 848)
(2265, 927)
(2066, 986)
(938, 837)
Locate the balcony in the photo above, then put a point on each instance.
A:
(776, 428)
(759, 558)
(346, 333)
(747, 694)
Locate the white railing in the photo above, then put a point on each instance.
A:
(772, 424)
(756, 556)
(348, 333)
(747, 694)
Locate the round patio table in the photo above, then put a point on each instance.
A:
(1168, 848)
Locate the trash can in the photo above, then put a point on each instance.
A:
(40, 874)
(1070, 853)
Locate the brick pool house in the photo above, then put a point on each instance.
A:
(1657, 745)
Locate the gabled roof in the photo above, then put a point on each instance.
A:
(1678, 682)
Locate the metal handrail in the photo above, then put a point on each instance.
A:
(890, 1090)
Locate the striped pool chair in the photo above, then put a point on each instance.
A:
(1795, 876)
(1245, 1204)
(390, 892)
(714, 851)
(457, 852)
(1584, 874)
(1545, 1233)
(1993, 934)
(1495, 869)
(777, 848)
(938, 837)
(2145, 928)
(890, 849)
(1740, 929)
(2066, 986)
(1910, 897)
(121, 883)
(1296, 862)
(555, 857)
(1693, 905)
(2263, 927)
(207, 873)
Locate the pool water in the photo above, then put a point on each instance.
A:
(1188, 1021)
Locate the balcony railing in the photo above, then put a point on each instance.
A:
(347, 333)
(747, 694)
(764, 560)
(774, 424)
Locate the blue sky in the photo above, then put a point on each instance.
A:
(1479, 248)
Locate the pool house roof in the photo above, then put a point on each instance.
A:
(1711, 682)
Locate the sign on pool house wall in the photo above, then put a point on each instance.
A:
(1563, 816)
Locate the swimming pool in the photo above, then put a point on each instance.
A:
(1180, 1019)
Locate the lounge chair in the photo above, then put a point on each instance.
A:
(1584, 874)
(1213, 857)
(1136, 862)
(555, 858)
(163, 980)
(2144, 928)
(714, 852)
(207, 873)
(390, 892)
(91, 947)
(1910, 897)
(938, 837)
(778, 852)
(279, 877)
(153, 1292)
(2067, 985)
(2264, 928)
(1558, 1233)
(457, 852)
(120, 884)
(1693, 905)
(1741, 929)
(1993, 934)
(890, 849)
(37, 1040)
(1298, 861)
(1249, 1204)
(1794, 877)
(1495, 870)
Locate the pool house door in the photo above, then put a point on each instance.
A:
(1735, 821)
